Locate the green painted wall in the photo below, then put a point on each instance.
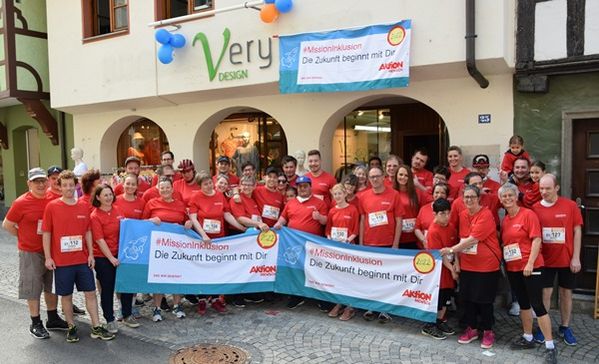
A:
(34, 52)
(538, 117)
(34, 12)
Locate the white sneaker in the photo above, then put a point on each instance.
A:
(157, 316)
(131, 322)
(178, 311)
(515, 309)
(112, 327)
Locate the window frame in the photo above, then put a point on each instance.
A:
(90, 20)
(162, 9)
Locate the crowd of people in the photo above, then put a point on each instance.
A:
(517, 227)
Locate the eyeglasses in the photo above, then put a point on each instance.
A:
(470, 197)
(282, 181)
(375, 176)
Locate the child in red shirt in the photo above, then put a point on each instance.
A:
(509, 157)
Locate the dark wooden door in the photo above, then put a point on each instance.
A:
(585, 190)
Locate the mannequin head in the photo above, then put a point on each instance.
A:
(300, 156)
(76, 153)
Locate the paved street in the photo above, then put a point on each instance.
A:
(273, 334)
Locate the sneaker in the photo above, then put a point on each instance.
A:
(72, 336)
(135, 313)
(156, 315)
(112, 327)
(77, 310)
(138, 302)
(335, 311)
(468, 336)
(551, 356)
(238, 302)
(432, 331)
(514, 309)
(118, 315)
(99, 332)
(146, 297)
(38, 331)
(538, 337)
(164, 305)
(254, 299)
(202, 307)
(178, 311)
(218, 306)
(193, 300)
(57, 325)
(369, 315)
(488, 339)
(445, 328)
(384, 318)
(132, 322)
(566, 333)
(295, 302)
(521, 343)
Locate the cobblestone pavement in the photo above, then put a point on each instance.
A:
(273, 334)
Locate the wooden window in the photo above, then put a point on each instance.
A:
(102, 17)
(166, 9)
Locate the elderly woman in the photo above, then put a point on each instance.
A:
(479, 260)
(426, 214)
(521, 237)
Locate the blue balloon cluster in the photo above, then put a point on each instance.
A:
(283, 6)
(169, 42)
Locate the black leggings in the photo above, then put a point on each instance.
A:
(529, 291)
(106, 274)
(473, 310)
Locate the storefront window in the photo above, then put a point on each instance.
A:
(143, 139)
(253, 137)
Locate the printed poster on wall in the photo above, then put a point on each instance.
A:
(372, 57)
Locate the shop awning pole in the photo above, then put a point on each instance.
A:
(179, 19)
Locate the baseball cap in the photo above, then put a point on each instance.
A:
(35, 173)
(272, 169)
(133, 159)
(303, 179)
(54, 169)
(480, 161)
(223, 159)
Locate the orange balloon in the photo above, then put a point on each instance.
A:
(269, 13)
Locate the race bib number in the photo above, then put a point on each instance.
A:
(471, 250)
(339, 234)
(211, 226)
(71, 243)
(407, 225)
(256, 218)
(270, 212)
(512, 252)
(377, 218)
(39, 227)
(555, 235)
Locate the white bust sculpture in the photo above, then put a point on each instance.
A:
(80, 166)
(300, 155)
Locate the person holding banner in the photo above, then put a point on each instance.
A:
(408, 195)
(479, 262)
(270, 201)
(129, 202)
(381, 215)
(154, 192)
(488, 200)
(105, 222)
(426, 214)
(166, 209)
(521, 236)
(246, 212)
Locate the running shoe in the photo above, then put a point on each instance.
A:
(218, 306)
(192, 299)
(384, 318)
(295, 302)
(202, 307)
(135, 313)
(253, 298)
(164, 304)
(38, 331)
(445, 328)
(118, 315)
(488, 339)
(156, 315)
(77, 310)
(432, 331)
(538, 337)
(514, 309)
(178, 311)
(99, 332)
(112, 327)
(468, 336)
(238, 302)
(132, 322)
(57, 325)
(566, 333)
(138, 302)
(551, 356)
(369, 315)
(72, 336)
(521, 343)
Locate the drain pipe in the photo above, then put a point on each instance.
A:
(470, 38)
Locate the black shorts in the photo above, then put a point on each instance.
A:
(529, 290)
(565, 277)
(74, 275)
(444, 298)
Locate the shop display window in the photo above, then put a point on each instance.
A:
(143, 139)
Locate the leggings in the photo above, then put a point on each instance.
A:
(473, 310)
(106, 274)
(529, 291)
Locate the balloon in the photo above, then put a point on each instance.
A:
(177, 41)
(269, 13)
(269, 1)
(165, 53)
(284, 6)
(162, 36)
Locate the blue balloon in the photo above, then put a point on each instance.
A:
(269, 1)
(284, 6)
(165, 54)
(177, 41)
(162, 36)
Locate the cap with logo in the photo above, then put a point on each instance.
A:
(35, 173)
(480, 161)
(54, 169)
(303, 179)
(223, 159)
(133, 159)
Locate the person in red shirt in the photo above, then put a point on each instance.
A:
(129, 202)
(223, 166)
(423, 178)
(391, 165)
(322, 182)
(105, 224)
(441, 235)
(270, 201)
(350, 183)
(133, 166)
(529, 191)
(154, 192)
(480, 164)
(516, 151)
(561, 224)
(361, 172)
(89, 181)
(537, 170)
(289, 165)
(23, 220)
(380, 221)
(247, 211)
(521, 237)
(68, 249)
(490, 201)
(167, 158)
(457, 170)
(187, 185)
(290, 194)
(343, 225)
(283, 185)
(479, 261)
(53, 186)
(404, 184)
(426, 215)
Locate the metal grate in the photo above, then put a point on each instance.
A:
(209, 354)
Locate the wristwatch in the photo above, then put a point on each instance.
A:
(450, 250)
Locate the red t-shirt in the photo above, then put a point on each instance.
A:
(177, 176)
(483, 256)
(86, 199)
(155, 193)
(425, 218)
(106, 225)
(425, 177)
(174, 212)
(442, 237)
(131, 209)
(517, 234)
(211, 212)
(142, 186)
(68, 225)
(491, 185)
(456, 182)
(507, 163)
(271, 204)
(557, 228)
(487, 200)
(354, 201)
(233, 180)
(53, 195)
(299, 215)
(379, 212)
(27, 212)
(321, 186)
(292, 180)
(247, 208)
(183, 190)
(408, 222)
(343, 223)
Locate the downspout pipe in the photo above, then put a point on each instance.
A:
(470, 54)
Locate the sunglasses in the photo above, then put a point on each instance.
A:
(282, 181)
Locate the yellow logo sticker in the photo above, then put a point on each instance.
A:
(424, 263)
(396, 35)
(267, 239)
